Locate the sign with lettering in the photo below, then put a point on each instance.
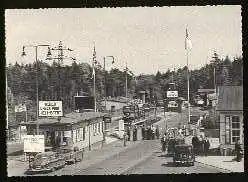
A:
(172, 93)
(50, 108)
(214, 142)
(34, 143)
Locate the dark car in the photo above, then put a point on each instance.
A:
(71, 156)
(183, 154)
(172, 143)
(46, 162)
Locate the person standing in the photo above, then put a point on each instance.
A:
(128, 133)
(135, 133)
(163, 142)
(195, 143)
(157, 132)
(143, 132)
(206, 146)
(238, 151)
(200, 146)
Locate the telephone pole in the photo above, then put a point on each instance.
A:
(59, 60)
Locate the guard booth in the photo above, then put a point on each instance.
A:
(81, 130)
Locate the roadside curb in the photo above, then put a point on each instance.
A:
(215, 166)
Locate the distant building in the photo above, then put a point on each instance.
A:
(230, 108)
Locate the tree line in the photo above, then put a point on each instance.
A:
(55, 81)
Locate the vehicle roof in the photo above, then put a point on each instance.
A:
(183, 145)
(46, 153)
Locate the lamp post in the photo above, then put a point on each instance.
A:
(37, 84)
(105, 87)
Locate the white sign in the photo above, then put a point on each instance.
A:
(50, 108)
(34, 143)
(67, 133)
(214, 142)
(20, 108)
(121, 125)
(172, 93)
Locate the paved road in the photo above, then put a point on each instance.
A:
(145, 158)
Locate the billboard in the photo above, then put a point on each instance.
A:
(34, 143)
(84, 102)
(50, 108)
(172, 94)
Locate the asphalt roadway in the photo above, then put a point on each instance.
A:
(145, 157)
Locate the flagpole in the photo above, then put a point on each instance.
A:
(94, 76)
(188, 85)
(94, 80)
(126, 81)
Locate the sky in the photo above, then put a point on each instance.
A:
(148, 39)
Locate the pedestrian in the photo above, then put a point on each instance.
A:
(128, 133)
(143, 132)
(195, 142)
(238, 151)
(163, 142)
(157, 132)
(135, 133)
(153, 132)
(200, 145)
(206, 144)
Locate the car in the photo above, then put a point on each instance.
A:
(183, 154)
(71, 156)
(46, 162)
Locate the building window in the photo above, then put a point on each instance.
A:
(77, 134)
(83, 133)
(99, 128)
(227, 129)
(235, 128)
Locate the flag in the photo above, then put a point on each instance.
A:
(188, 44)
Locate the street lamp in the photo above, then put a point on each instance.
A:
(37, 89)
(105, 89)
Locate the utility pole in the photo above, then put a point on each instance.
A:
(94, 62)
(59, 59)
(215, 57)
(105, 85)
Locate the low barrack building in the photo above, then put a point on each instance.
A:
(230, 108)
(80, 130)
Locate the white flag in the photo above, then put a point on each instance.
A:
(188, 44)
(93, 73)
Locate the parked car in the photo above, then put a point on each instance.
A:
(184, 155)
(70, 155)
(46, 162)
